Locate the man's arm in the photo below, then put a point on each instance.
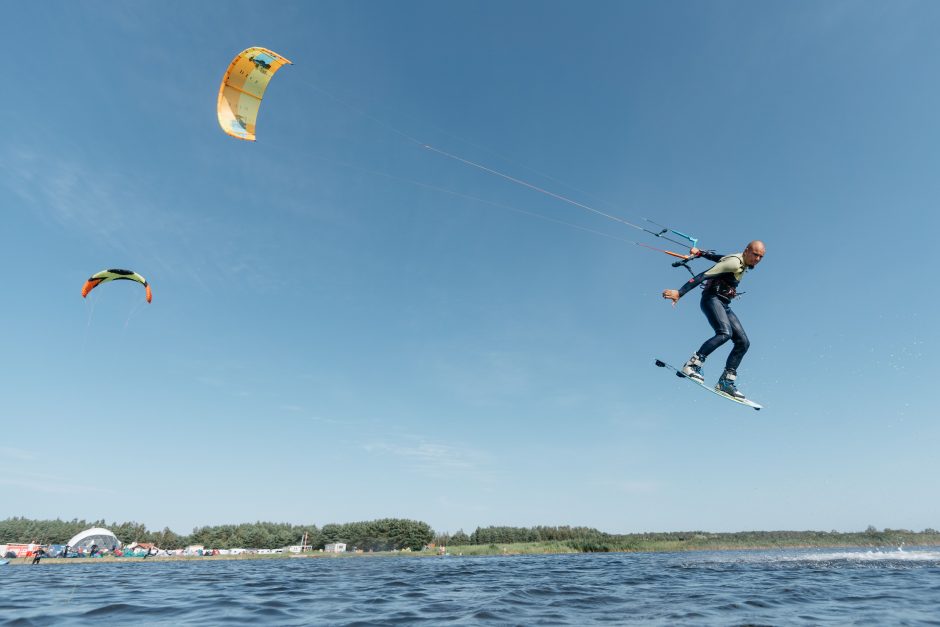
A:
(711, 255)
(692, 283)
(675, 295)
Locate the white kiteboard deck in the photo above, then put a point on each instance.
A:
(749, 403)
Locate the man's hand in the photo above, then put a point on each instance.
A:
(672, 295)
(695, 252)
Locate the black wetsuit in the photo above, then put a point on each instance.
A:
(721, 283)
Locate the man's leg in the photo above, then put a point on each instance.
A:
(728, 381)
(717, 316)
(741, 343)
(715, 313)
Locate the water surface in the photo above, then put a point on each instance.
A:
(784, 587)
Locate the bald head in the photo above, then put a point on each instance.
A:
(754, 253)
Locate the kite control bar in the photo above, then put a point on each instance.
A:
(683, 259)
(685, 264)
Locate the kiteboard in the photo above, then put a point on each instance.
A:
(679, 374)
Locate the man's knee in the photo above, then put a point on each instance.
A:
(742, 343)
(721, 337)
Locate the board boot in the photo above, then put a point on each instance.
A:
(693, 368)
(726, 384)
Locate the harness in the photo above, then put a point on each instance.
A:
(725, 285)
(722, 288)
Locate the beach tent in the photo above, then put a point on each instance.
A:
(96, 535)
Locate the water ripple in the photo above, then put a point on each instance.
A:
(717, 588)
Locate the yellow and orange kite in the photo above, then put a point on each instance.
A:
(243, 88)
(115, 274)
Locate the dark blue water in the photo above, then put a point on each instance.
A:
(806, 587)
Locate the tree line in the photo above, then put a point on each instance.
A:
(588, 539)
(387, 534)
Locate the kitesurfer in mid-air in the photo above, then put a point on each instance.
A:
(721, 282)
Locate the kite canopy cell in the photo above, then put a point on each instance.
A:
(115, 274)
(243, 88)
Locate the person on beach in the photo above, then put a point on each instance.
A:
(721, 283)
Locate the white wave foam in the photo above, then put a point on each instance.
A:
(838, 555)
(868, 556)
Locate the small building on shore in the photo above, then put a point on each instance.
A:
(335, 547)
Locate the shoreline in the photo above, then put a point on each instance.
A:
(506, 550)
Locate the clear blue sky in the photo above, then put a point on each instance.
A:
(346, 326)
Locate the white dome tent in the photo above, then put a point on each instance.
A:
(96, 535)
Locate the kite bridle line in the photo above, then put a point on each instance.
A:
(541, 190)
(659, 234)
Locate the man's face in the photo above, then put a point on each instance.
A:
(753, 255)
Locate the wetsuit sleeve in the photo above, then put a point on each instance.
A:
(730, 264)
(711, 255)
(692, 283)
